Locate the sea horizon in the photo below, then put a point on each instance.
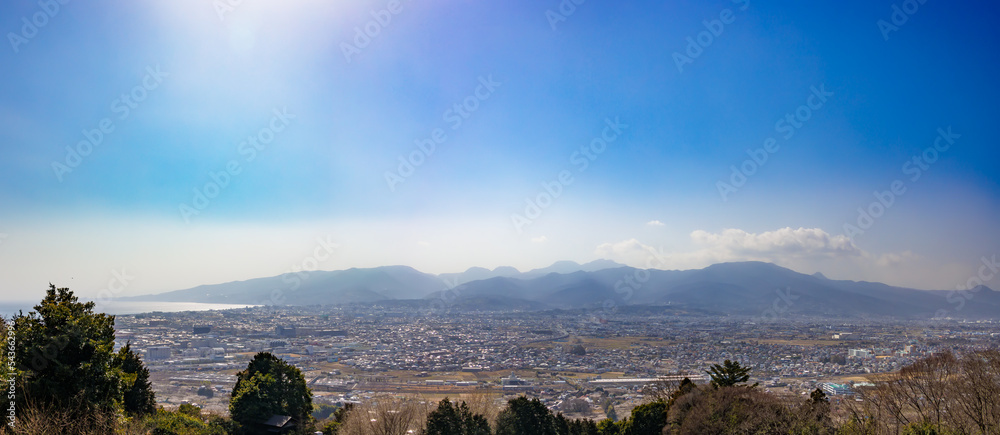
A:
(9, 309)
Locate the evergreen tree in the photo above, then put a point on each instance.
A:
(65, 356)
(270, 386)
(647, 419)
(137, 393)
(728, 374)
(562, 424)
(608, 427)
(449, 419)
(583, 427)
(525, 417)
(818, 397)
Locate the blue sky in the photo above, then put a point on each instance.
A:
(350, 107)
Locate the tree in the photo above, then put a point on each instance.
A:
(685, 387)
(189, 410)
(449, 419)
(818, 397)
(386, 415)
(270, 386)
(525, 417)
(583, 426)
(742, 410)
(610, 413)
(66, 358)
(647, 419)
(608, 427)
(728, 374)
(137, 392)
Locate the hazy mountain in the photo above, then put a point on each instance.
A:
(563, 267)
(747, 288)
(477, 273)
(317, 287)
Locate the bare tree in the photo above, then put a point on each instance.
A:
(387, 415)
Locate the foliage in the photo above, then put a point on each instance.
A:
(525, 417)
(322, 411)
(818, 396)
(728, 374)
(646, 419)
(183, 422)
(449, 419)
(938, 394)
(206, 391)
(189, 410)
(137, 392)
(65, 355)
(733, 409)
(608, 427)
(67, 366)
(270, 386)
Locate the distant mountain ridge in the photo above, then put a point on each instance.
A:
(756, 289)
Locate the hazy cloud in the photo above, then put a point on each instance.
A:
(780, 243)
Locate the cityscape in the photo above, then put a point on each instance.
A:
(520, 217)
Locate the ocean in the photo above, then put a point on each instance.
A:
(8, 309)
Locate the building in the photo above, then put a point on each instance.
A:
(514, 383)
(832, 389)
(158, 353)
(860, 353)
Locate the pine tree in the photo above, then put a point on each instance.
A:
(449, 419)
(525, 417)
(137, 392)
(728, 374)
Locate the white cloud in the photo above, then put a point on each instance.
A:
(655, 223)
(785, 242)
(539, 239)
(806, 250)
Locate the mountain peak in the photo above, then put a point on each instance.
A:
(820, 275)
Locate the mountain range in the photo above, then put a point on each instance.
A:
(757, 289)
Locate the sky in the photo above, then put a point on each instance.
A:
(156, 146)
